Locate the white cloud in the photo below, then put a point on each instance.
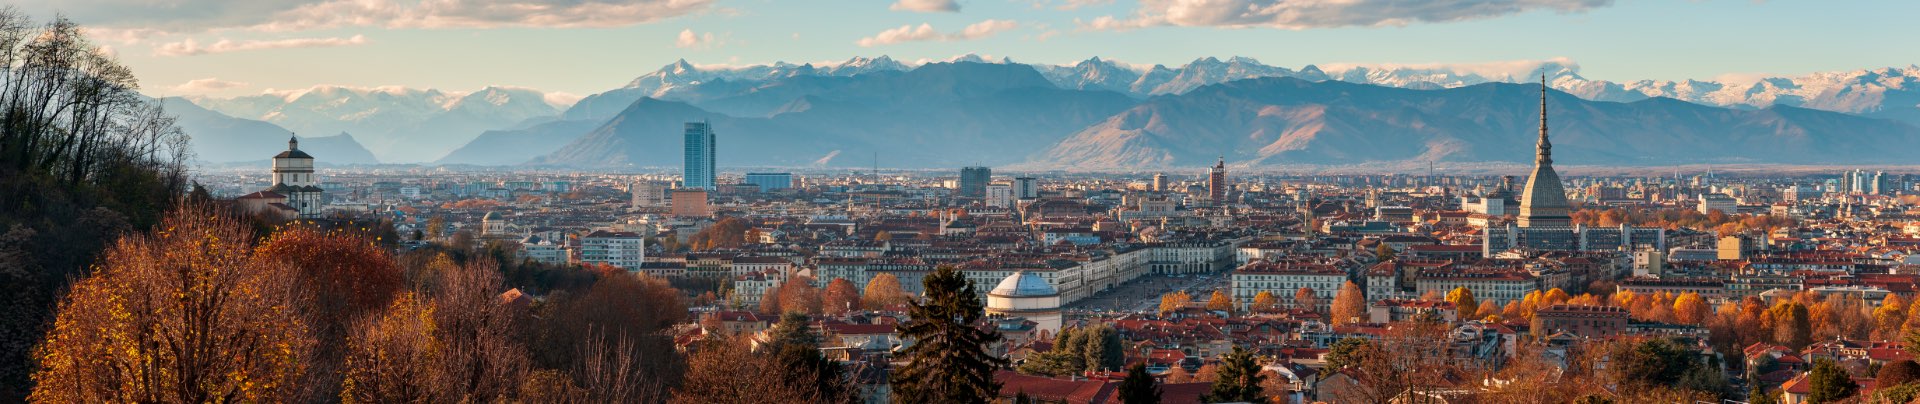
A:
(926, 6)
(691, 40)
(1069, 4)
(189, 47)
(147, 18)
(208, 85)
(1298, 14)
(925, 32)
(561, 100)
(1516, 70)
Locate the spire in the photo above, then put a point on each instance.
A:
(293, 142)
(1545, 149)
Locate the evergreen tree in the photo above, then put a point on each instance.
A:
(796, 348)
(1139, 387)
(1109, 352)
(1829, 383)
(1758, 395)
(947, 361)
(1238, 379)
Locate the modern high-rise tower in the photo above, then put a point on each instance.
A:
(1544, 202)
(699, 159)
(1160, 182)
(973, 181)
(1217, 182)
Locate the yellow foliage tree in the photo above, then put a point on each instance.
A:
(1690, 309)
(1889, 317)
(882, 291)
(1463, 303)
(1554, 296)
(182, 315)
(1175, 301)
(1220, 302)
(1265, 301)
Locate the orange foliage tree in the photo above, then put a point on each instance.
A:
(1349, 304)
(841, 296)
(184, 314)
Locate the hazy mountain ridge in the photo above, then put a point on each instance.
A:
(872, 95)
(218, 138)
(397, 124)
(1272, 121)
(943, 114)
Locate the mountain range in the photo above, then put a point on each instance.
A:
(218, 138)
(398, 125)
(1104, 114)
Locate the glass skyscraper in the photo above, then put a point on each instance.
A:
(699, 160)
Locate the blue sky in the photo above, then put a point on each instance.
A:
(233, 47)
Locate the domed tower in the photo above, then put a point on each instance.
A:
(293, 177)
(1026, 295)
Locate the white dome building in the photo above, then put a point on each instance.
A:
(1025, 295)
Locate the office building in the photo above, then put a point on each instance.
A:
(699, 172)
(770, 181)
(1026, 188)
(973, 181)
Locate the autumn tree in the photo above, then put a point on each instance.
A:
(183, 314)
(1791, 325)
(1463, 303)
(1220, 302)
(727, 371)
(841, 296)
(1384, 252)
(883, 291)
(1487, 310)
(1264, 301)
(730, 232)
(1690, 309)
(948, 361)
(1349, 305)
(1889, 317)
(339, 277)
(1175, 301)
(1305, 299)
(613, 338)
(458, 323)
(797, 294)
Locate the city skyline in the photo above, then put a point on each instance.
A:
(211, 47)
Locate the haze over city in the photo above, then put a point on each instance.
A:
(951, 201)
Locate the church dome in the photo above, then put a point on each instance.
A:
(1023, 284)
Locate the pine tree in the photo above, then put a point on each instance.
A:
(947, 361)
(1139, 387)
(1238, 378)
(796, 348)
(1829, 383)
